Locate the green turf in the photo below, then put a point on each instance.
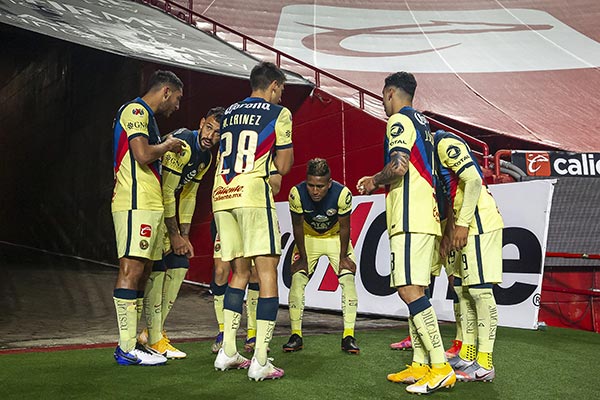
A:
(552, 364)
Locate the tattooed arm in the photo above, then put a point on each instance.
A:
(392, 172)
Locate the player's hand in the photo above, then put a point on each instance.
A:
(366, 185)
(445, 246)
(461, 234)
(347, 263)
(173, 144)
(178, 244)
(451, 282)
(299, 265)
(190, 249)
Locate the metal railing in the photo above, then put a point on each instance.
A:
(478, 147)
(187, 14)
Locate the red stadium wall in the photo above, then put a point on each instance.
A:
(569, 303)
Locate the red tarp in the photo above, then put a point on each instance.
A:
(526, 69)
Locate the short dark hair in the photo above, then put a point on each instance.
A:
(318, 167)
(404, 81)
(216, 112)
(263, 74)
(160, 78)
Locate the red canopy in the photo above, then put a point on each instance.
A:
(523, 69)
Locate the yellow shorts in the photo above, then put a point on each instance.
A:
(217, 247)
(139, 233)
(328, 246)
(411, 258)
(248, 232)
(480, 261)
(436, 260)
(453, 265)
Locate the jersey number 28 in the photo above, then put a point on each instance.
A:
(244, 155)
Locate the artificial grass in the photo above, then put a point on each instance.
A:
(556, 363)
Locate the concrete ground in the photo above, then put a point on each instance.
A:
(48, 300)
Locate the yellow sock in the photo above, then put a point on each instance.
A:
(458, 314)
(251, 303)
(231, 324)
(468, 352)
(485, 360)
(428, 330)
(139, 308)
(218, 304)
(127, 323)
(296, 301)
(152, 305)
(173, 279)
(468, 318)
(420, 357)
(349, 303)
(487, 318)
(264, 334)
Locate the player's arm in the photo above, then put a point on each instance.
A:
(472, 189)
(394, 170)
(187, 199)
(401, 135)
(297, 227)
(345, 261)
(344, 211)
(463, 166)
(446, 244)
(284, 152)
(187, 205)
(135, 122)
(297, 214)
(171, 176)
(170, 181)
(391, 173)
(145, 153)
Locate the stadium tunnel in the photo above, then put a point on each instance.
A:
(59, 99)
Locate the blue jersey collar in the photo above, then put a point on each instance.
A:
(254, 100)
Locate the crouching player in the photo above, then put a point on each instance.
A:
(320, 209)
